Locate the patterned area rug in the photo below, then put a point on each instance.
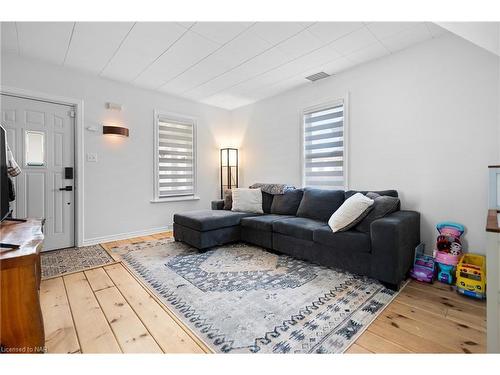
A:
(59, 262)
(242, 299)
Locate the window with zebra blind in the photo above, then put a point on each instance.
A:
(175, 157)
(324, 150)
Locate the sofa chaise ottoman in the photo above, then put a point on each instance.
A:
(295, 223)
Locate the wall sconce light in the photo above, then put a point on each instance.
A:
(228, 169)
(115, 130)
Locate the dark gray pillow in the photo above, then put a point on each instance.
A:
(382, 205)
(228, 199)
(391, 193)
(267, 201)
(288, 203)
(319, 204)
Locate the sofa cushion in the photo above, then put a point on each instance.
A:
(203, 220)
(346, 241)
(264, 222)
(390, 193)
(287, 203)
(382, 206)
(267, 201)
(319, 204)
(298, 227)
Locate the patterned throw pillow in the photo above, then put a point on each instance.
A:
(228, 199)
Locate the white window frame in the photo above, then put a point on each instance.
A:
(319, 107)
(174, 117)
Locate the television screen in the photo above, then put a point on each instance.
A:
(4, 177)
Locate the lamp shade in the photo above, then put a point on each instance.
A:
(115, 130)
(229, 165)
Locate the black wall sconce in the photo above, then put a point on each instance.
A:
(228, 169)
(115, 130)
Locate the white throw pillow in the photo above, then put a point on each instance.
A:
(350, 213)
(247, 200)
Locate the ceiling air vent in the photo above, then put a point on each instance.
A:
(317, 76)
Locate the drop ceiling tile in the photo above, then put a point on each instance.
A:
(220, 32)
(276, 32)
(301, 44)
(144, 44)
(356, 40)
(44, 40)
(337, 66)
(260, 64)
(435, 30)
(186, 25)
(186, 52)
(384, 30)
(409, 37)
(9, 37)
(205, 70)
(372, 52)
(227, 101)
(94, 43)
(330, 31)
(243, 48)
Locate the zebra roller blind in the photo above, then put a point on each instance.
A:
(176, 158)
(324, 148)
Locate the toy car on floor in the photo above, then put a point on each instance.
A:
(423, 266)
(471, 276)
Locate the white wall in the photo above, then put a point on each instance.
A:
(422, 121)
(119, 187)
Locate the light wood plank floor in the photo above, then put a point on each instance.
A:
(108, 310)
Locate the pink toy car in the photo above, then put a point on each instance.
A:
(424, 267)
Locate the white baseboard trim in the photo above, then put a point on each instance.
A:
(124, 236)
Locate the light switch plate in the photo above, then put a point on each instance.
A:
(91, 157)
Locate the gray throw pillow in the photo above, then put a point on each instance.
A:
(228, 199)
(382, 205)
(287, 203)
(320, 204)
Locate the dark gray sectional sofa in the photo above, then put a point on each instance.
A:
(295, 223)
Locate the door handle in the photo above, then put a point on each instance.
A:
(66, 188)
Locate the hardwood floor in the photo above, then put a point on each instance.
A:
(108, 310)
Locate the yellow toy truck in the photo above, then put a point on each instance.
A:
(471, 276)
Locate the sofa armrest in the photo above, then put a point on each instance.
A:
(394, 238)
(218, 205)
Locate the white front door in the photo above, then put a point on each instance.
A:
(41, 137)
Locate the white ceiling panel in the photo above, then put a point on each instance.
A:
(276, 32)
(372, 52)
(408, 37)
(435, 30)
(243, 48)
(354, 41)
(205, 70)
(330, 31)
(220, 32)
(143, 45)
(227, 64)
(47, 41)
(94, 43)
(300, 44)
(9, 37)
(384, 30)
(228, 100)
(184, 53)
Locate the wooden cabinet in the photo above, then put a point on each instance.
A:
(21, 329)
